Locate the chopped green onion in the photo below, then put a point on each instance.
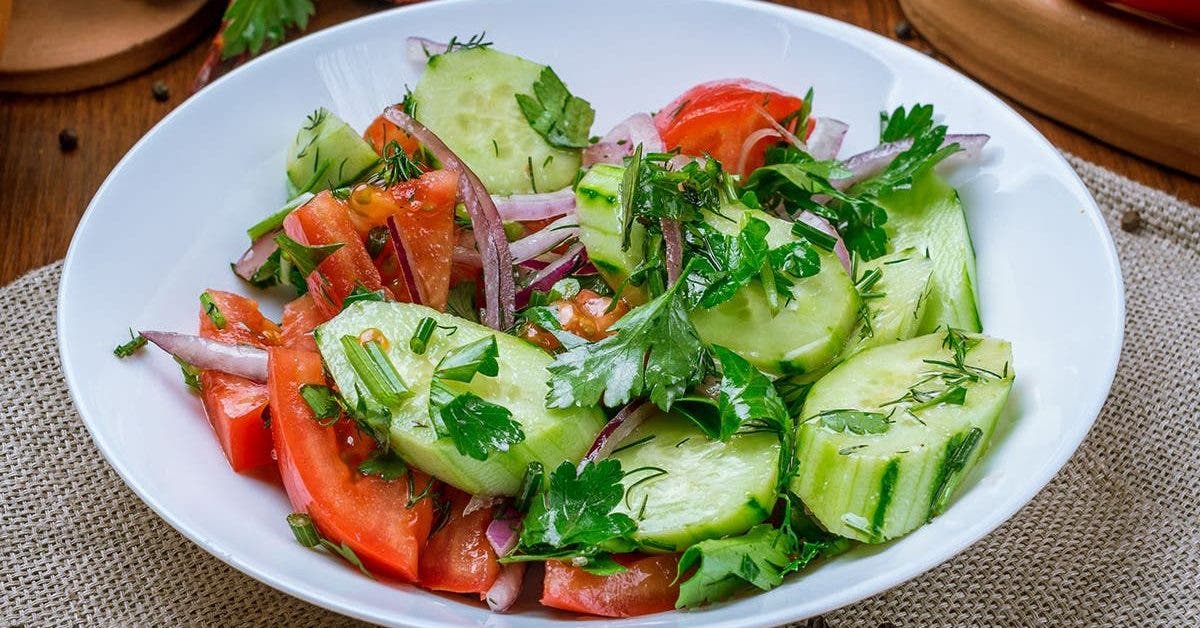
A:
(869, 279)
(464, 362)
(212, 311)
(376, 371)
(306, 258)
(531, 485)
(322, 401)
(303, 529)
(136, 341)
(420, 339)
(814, 235)
(191, 375)
(275, 220)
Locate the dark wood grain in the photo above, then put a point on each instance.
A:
(43, 191)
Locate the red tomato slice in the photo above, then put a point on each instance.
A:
(715, 118)
(643, 588)
(425, 218)
(319, 470)
(326, 220)
(458, 557)
(235, 405)
(300, 317)
(382, 131)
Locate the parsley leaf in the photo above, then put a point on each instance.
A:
(746, 395)
(251, 24)
(759, 557)
(655, 351)
(562, 119)
(386, 465)
(855, 421)
(306, 258)
(723, 263)
(901, 124)
(323, 402)
(574, 516)
(477, 426)
(136, 341)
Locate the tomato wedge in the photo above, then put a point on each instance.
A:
(318, 465)
(425, 218)
(235, 405)
(326, 220)
(381, 131)
(644, 587)
(458, 556)
(717, 117)
(300, 317)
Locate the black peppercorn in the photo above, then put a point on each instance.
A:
(68, 140)
(1131, 221)
(904, 30)
(161, 91)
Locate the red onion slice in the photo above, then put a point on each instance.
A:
(870, 163)
(825, 139)
(673, 239)
(535, 206)
(545, 278)
(616, 430)
(407, 274)
(499, 287)
(623, 139)
(504, 530)
(540, 242)
(752, 140)
(480, 502)
(787, 135)
(507, 587)
(241, 360)
(257, 255)
(839, 248)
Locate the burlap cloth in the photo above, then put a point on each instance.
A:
(1114, 540)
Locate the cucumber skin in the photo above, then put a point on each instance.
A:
(905, 283)
(906, 476)
(712, 489)
(929, 217)
(343, 155)
(551, 436)
(468, 99)
(598, 207)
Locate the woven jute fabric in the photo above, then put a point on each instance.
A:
(1114, 540)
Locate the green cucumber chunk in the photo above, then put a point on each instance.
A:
(929, 217)
(710, 488)
(327, 154)
(877, 486)
(551, 436)
(803, 335)
(468, 98)
(892, 308)
(598, 207)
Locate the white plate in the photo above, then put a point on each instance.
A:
(171, 216)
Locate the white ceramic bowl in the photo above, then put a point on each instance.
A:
(171, 216)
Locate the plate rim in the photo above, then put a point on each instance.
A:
(849, 595)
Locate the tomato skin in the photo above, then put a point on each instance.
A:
(326, 220)
(715, 118)
(458, 557)
(300, 317)
(381, 131)
(425, 219)
(319, 469)
(235, 405)
(644, 587)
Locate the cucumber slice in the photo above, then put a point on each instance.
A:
(877, 486)
(468, 98)
(929, 217)
(598, 206)
(806, 333)
(551, 436)
(892, 308)
(327, 154)
(710, 488)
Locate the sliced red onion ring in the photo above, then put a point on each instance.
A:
(623, 139)
(504, 530)
(787, 135)
(617, 428)
(538, 243)
(241, 360)
(420, 49)
(870, 163)
(507, 587)
(407, 274)
(470, 257)
(257, 255)
(826, 137)
(545, 278)
(535, 206)
(499, 287)
(673, 239)
(752, 140)
(839, 248)
(479, 502)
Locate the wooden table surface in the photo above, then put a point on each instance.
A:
(44, 191)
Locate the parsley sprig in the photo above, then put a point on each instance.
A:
(252, 24)
(563, 119)
(476, 426)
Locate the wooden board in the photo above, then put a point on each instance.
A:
(1123, 79)
(65, 45)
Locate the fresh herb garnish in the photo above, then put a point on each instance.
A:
(420, 338)
(275, 220)
(476, 426)
(759, 557)
(372, 365)
(306, 534)
(360, 293)
(855, 421)
(477, 40)
(251, 24)
(462, 363)
(212, 311)
(386, 465)
(305, 257)
(396, 165)
(323, 402)
(574, 519)
(563, 119)
(903, 124)
(136, 341)
(191, 375)
(531, 485)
